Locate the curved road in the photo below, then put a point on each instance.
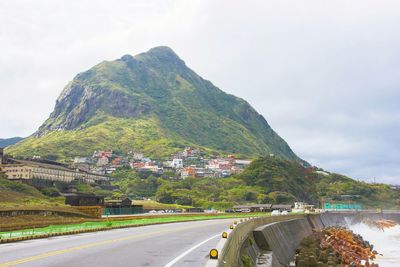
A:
(176, 244)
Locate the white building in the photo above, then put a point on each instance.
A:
(29, 170)
(82, 160)
(138, 156)
(177, 163)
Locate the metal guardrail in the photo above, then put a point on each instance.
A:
(230, 254)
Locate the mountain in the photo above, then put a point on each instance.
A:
(9, 141)
(151, 102)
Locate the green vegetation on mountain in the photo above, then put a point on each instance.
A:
(205, 192)
(152, 103)
(307, 184)
(112, 133)
(266, 180)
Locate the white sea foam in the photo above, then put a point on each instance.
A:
(385, 242)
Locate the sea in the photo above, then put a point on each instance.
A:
(385, 242)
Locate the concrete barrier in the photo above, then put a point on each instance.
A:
(278, 237)
(282, 238)
(238, 239)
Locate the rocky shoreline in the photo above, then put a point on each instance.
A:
(339, 247)
(335, 247)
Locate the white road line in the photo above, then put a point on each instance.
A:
(171, 263)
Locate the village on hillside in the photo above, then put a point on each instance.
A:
(97, 167)
(187, 163)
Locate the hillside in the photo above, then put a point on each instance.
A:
(153, 103)
(16, 194)
(9, 141)
(289, 180)
(266, 180)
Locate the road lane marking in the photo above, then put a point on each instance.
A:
(90, 245)
(73, 249)
(171, 263)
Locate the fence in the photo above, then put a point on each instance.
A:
(93, 211)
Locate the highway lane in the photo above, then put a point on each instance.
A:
(155, 245)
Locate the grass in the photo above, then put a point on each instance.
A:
(87, 226)
(110, 133)
(19, 195)
(154, 205)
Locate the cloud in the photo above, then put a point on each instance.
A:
(323, 73)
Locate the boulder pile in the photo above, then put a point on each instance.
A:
(335, 247)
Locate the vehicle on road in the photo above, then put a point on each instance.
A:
(275, 213)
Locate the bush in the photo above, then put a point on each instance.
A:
(50, 191)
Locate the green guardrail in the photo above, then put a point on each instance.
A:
(342, 206)
(108, 224)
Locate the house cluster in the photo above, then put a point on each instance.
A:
(187, 163)
(101, 162)
(214, 168)
(192, 163)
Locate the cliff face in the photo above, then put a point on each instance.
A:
(78, 104)
(153, 90)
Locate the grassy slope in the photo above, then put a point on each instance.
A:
(151, 204)
(19, 195)
(112, 133)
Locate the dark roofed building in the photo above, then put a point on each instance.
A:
(83, 200)
(122, 207)
(119, 203)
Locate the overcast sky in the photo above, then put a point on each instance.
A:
(325, 74)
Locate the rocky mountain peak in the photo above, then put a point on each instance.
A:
(157, 88)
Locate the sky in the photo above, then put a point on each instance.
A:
(325, 74)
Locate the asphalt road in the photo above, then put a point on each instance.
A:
(177, 244)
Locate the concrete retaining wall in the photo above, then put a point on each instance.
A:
(241, 239)
(280, 236)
